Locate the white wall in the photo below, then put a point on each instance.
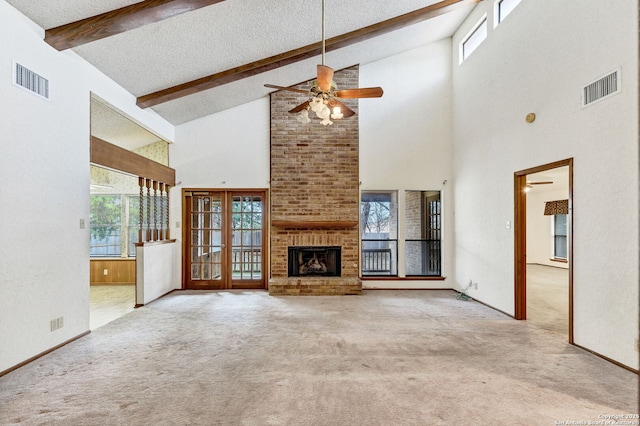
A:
(154, 271)
(405, 137)
(537, 61)
(539, 237)
(44, 169)
(227, 150)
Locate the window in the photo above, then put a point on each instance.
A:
(114, 223)
(559, 236)
(504, 8)
(105, 225)
(423, 232)
(379, 219)
(473, 39)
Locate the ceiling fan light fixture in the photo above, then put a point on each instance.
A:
(324, 113)
(303, 117)
(324, 94)
(316, 104)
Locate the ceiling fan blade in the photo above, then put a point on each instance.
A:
(300, 107)
(367, 92)
(325, 77)
(546, 182)
(346, 111)
(290, 89)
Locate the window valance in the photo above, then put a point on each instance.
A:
(556, 207)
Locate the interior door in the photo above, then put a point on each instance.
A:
(224, 240)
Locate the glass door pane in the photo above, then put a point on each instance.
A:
(206, 241)
(246, 244)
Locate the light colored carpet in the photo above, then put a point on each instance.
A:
(383, 358)
(548, 298)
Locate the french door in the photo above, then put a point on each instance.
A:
(224, 239)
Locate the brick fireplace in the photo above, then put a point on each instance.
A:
(314, 197)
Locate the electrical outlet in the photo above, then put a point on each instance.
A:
(106, 272)
(57, 323)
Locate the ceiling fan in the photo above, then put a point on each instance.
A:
(542, 182)
(323, 94)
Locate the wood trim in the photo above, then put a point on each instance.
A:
(570, 218)
(299, 54)
(119, 20)
(553, 259)
(227, 283)
(140, 305)
(108, 155)
(154, 243)
(619, 364)
(520, 247)
(520, 262)
(315, 224)
(489, 306)
(41, 354)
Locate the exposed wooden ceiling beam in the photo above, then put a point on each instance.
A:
(119, 20)
(292, 56)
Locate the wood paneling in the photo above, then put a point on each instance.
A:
(299, 54)
(119, 271)
(108, 155)
(119, 20)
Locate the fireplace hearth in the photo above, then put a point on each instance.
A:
(324, 261)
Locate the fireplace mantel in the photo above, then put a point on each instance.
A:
(315, 224)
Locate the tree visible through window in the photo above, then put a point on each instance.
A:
(379, 219)
(114, 221)
(105, 225)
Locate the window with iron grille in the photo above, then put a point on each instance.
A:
(423, 233)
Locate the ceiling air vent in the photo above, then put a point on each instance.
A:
(601, 88)
(30, 81)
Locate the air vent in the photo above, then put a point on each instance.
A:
(31, 81)
(601, 88)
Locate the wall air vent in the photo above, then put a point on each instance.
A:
(601, 88)
(30, 81)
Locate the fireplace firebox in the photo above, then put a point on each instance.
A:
(322, 261)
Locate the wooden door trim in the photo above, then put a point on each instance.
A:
(227, 194)
(520, 239)
(248, 284)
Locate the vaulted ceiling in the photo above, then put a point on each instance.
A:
(191, 58)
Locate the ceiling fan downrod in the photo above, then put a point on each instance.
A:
(323, 42)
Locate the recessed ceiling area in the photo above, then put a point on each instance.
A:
(114, 127)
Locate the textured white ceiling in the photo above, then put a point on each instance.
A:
(232, 33)
(111, 126)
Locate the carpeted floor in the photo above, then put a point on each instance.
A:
(383, 358)
(548, 298)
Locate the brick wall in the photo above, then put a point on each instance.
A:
(314, 178)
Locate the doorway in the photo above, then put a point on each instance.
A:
(546, 284)
(224, 242)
